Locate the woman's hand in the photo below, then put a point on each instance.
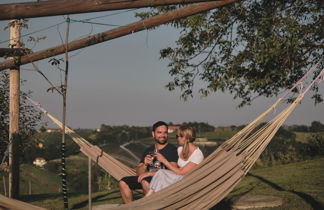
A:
(160, 157)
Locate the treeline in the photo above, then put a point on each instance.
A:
(284, 147)
(118, 135)
(199, 126)
(315, 126)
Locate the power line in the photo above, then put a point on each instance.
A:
(40, 30)
(83, 21)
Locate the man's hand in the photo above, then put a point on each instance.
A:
(148, 160)
(142, 167)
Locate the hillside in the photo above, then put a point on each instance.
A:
(300, 185)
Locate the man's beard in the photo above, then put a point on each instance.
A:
(161, 142)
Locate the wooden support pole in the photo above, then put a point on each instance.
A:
(89, 184)
(63, 7)
(4, 185)
(14, 102)
(119, 32)
(7, 52)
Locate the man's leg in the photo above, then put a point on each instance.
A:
(125, 192)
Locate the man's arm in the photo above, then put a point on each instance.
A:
(140, 169)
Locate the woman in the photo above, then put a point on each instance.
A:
(189, 157)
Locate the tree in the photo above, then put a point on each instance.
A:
(249, 48)
(29, 117)
(316, 126)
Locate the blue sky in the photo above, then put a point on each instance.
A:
(122, 81)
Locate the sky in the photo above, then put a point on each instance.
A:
(122, 81)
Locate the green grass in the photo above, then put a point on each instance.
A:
(300, 185)
(39, 180)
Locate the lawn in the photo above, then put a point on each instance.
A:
(300, 185)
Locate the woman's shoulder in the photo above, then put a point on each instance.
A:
(198, 153)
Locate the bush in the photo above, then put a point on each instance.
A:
(315, 146)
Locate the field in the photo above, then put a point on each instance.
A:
(300, 185)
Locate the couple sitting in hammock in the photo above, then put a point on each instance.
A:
(163, 164)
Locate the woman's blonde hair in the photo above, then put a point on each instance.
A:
(189, 134)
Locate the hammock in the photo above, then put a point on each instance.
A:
(7, 203)
(212, 179)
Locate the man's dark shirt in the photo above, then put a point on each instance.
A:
(169, 152)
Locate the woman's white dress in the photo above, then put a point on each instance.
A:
(164, 177)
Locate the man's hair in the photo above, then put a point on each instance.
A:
(158, 124)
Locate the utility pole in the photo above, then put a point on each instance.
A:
(14, 103)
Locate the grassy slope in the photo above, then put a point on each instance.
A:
(300, 185)
(40, 180)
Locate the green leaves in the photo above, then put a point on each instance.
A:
(28, 121)
(250, 49)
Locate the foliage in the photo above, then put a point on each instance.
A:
(51, 147)
(248, 48)
(117, 135)
(282, 148)
(29, 117)
(299, 128)
(199, 126)
(315, 146)
(315, 126)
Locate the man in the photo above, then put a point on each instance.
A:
(148, 165)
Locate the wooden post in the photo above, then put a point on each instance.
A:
(4, 185)
(89, 184)
(14, 101)
(29, 188)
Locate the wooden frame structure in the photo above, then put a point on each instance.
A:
(60, 7)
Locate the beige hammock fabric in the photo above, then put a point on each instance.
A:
(212, 179)
(118, 169)
(12, 204)
(219, 173)
(107, 162)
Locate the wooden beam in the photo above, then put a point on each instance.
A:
(118, 32)
(63, 7)
(9, 52)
